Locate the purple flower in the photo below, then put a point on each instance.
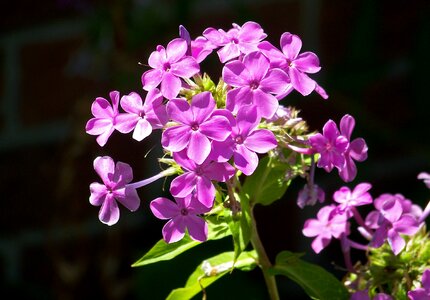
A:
(196, 126)
(331, 146)
(182, 215)
(169, 65)
(425, 177)
(197, 178)
(113, 189)
(327, 225)
(347, 199)
(199, 48)
(238, 40)
(392, 222)
(245, 140)
(357, 149)
(295, 64)
(254, 83)
(103, 123)
(142, 117)
(424, 292)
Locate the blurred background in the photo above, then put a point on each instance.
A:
(56, 56)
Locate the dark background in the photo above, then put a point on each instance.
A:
(57, 56)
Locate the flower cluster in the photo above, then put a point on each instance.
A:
(210, 132)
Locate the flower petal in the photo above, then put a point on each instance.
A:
(125, 123)
(142, 130)
(170, 85)
(176, 49)
(176, 138)
(105, 168)
(301, 82)
(185, 68)
(183, 185)
(197, 228)
(123, 174)
(290, 45)
(109, 211)
(101, 108)
(266, 103)
(205, 191)
(397, 243)
(237, 98)
(132, 103)
(307, 62)
(129, 198)
(151, 79)
(174, 230)
(261, 141)
(98, 193)
(257, 65)
(163, 208)
(180, 111)
(217, 128)
(228, 52)
(236, 74)
(347, 124)
(245, 160)
(199, 147)
(276, 82)
(202, 106)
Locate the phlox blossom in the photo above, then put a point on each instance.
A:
(115, 178)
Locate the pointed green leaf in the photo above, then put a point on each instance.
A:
(211, 270)
(317, 282)
(164, 251)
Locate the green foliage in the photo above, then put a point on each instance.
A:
(163, 251)
(211, 270)
(317, 282)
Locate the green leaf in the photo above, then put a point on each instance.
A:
(267, 184)
(211, 270)
(317, 282)
(164, 251)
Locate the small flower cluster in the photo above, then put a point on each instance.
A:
(210, 132)
(394, 221)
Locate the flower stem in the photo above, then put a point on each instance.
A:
(263, 259)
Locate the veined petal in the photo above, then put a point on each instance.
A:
(228, 52)
(176, 49)
(101, 108)
(199, 147)
(170, 85)
(391, 209)
(307, 62)
(218, 171)
(358, 149)
(261, 141)
(174, 230)
(132, 103)
(236, 74)
(109, 211)
(105, 168)
(182, 159)
(157, 59)
(222, 151)
(197, 228)
(266, 103)
(247, 119)
(215, 37)
(123, 174)
(186, 67)
(276, 82)
(347, 124)
(202, 106)
(176, 138)
(180, 111)
(183, 185)
(98, 193)
(142, 130)
(257, 64)
(103, 138)
(217, 128)
(128, 197)
(290, 45)
(205, 191)
(97, 126)
(396, 242)
(276, 57)
(251, 32)
(237, 98)
(125, 123)
(163, 208)
(301, 82)
(151, 79)
(407, 224)
(245, 160)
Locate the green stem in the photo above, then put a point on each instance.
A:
(263, 259)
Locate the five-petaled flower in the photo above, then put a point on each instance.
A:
(183, 215)
(115, 178)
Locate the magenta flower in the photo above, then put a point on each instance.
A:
(295, 64)
(392, 222)
(238, 40)
(309, 195)
(103, 123)
(169, 65)
(142, 117)
(331, 146)
(347, 199)
(254, 83)
(197, 178)
(183, 216)
(196, 126)
(357, 149)
(424, 292)
(113, 189)
(327, 225)
(245, 140)
(199, 48)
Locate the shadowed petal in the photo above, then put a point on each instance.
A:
(163, 208)
(199, 147)
(396, 242)
(180, 111)
(123, 174)
(267, 104)
(125, 123)
(228, 52)
(245, 160)
(202, 106)
(151, 79)
(101, 108)
(217, 128)
(98, 193)
(197, 228)
(236, 74)
(109, 211)
(176, 138)
(174, 230)
(290, 45)
(105, 168)
(301, 82)
(237, 98)
(261, 141)
(129, 198)
(276, 82)
(205, 191)
(307, 62)
(185, 68)
(183, 185)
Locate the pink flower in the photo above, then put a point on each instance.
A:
(197, 178)
(238, 40)
(254, 83)
(114, 188)
(347, 199)
(142, 117)
(199, 48)
(196, 126)
(331, 145)
(103, 123)
(182, 215)
(245, 140)
(424, 292)
(327, 225)
(295, 64)
(169, 65)
(357, 149)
